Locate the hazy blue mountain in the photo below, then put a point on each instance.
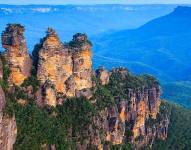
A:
(161, 47)
(179, 92)
(69, 19)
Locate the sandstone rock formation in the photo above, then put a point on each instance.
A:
(123, 112)
(82, 63)
(8, 128)
(49, 94)
(103, 75)
(54, 62)
(133, 113)
(19, 61)
(68, 67)
(8, 133)
(1, 70)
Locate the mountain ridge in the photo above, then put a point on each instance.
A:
(132, 39)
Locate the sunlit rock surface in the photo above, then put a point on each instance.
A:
(19, 61)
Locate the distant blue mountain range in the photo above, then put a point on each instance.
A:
(69, 19)
(161, 47)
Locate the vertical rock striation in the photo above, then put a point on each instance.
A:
(103, 75)
(19, 61)
(121, 119)
(67, 67)
(8, 128)
(137, 114)
(54, 62)
(82, 62)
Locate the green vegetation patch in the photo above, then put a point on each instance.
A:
(60, 126)
(122, 80)
(178, 92)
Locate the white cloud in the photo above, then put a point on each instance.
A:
(43, 10)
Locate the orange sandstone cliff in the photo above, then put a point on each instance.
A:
(19, 61)
(68, 68)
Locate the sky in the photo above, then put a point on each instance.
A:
(95, 2)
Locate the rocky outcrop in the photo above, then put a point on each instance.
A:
(8, 133)
(8, 128)
(133, 114)
(54, 62)
(19, 61)
(155, 130)
(49, 94)
(47, 147)
(136, 119)
(2, 100)
(103, 75)
(147, 103)
(82, 62)
(1, 69)
(116, 127)
(67, 67)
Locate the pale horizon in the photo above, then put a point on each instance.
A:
(86, 2)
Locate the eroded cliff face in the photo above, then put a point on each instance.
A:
(134, 115)
(8, 128)
(54, 62)
(103, 75)
(19, 61)
(67, 67)
(82, 58)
